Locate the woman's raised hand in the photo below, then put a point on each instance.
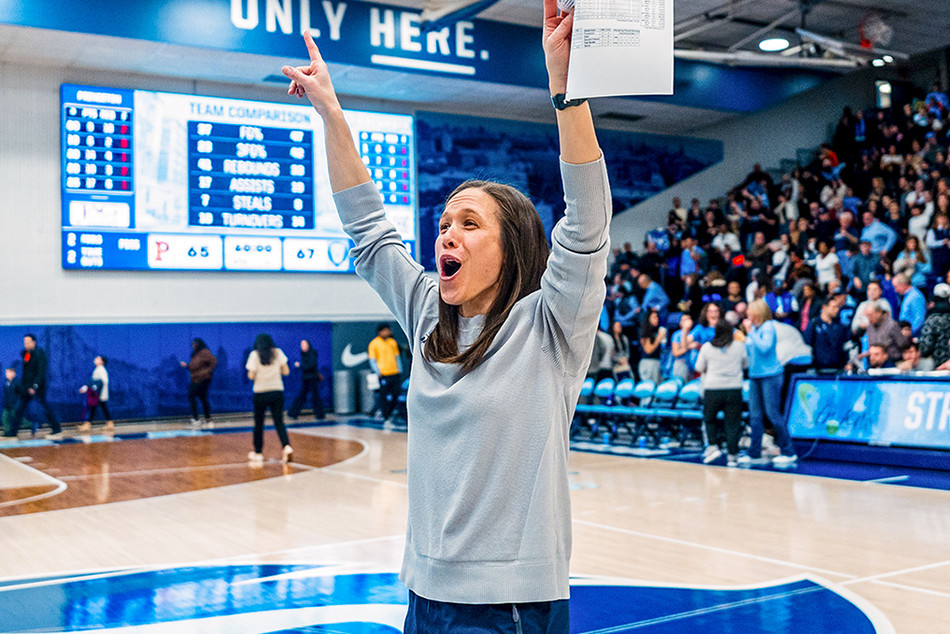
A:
(313, 81)
(557, 45)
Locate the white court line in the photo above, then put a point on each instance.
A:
(903, 586)
(59, 484)
(112, 572)
(725, 551)
(881, 623)
(894, 573)
(359, 476)
(151, 472)
(290, 551)
(679, 616)
(900, 478)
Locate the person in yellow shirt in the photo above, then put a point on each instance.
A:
(384, 359)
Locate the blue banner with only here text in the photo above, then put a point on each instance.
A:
(380, 36)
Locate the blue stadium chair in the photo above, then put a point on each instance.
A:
(605, 391)
(588, 388)
(624, 391)
(667, 392)
(598, 416)
(623, 397)
(580, 412)
(656, 418)
(644, 391)
(690, 403)
(690, 396)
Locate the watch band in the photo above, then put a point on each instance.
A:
(560, 103)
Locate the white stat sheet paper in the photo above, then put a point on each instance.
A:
(621, 47)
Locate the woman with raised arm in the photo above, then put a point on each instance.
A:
(501, 344)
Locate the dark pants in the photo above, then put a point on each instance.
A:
(198, 391)
(309, 387)
(389, 387)
(275, 402)
(433, 617)
(729, 429)
(25, 399)
(765, 396)
(105, 410)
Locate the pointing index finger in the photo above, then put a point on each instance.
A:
(312, 47)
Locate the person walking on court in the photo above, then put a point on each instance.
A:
(35, 368)
(765, 388)
(501, 341)
(310, 379)
(11, 397)
(384, 359)
(266, 366)
(201, 369)
(99, 384)
(721, 362)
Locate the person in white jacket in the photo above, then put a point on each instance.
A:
(97, 395)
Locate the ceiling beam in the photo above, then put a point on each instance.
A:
(719, 12)
(763, 30)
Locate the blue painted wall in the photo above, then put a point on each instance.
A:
(146, 379)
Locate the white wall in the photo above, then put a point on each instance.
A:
(34, 289)
(764, 137)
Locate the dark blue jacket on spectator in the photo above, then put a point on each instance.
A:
(863, 267)
(827, 343)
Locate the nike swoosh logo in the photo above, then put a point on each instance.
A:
(351, 360)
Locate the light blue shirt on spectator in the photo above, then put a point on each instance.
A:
(701, 334)
(881, 237)
(688, 264)
(913, 310)
(760, 344)
(655, 297)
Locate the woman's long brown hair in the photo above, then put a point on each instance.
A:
(525, 257)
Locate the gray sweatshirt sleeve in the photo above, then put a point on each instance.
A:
(381, 257)
(573, 287)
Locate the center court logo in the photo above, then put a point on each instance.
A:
(252, 599)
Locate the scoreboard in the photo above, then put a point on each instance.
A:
(165, 181)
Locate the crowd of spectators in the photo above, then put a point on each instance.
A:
(852, 251)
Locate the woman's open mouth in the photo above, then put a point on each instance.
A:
(449, 266)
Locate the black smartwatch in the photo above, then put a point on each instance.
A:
(560, 103)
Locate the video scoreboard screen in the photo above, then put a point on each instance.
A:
(157, 180)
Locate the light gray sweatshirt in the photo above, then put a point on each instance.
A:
(722, 368)
(489, 501)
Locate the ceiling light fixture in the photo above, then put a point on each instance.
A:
(773, 44)
(888, 59)
(877, 63)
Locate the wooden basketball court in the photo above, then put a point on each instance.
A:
(81, 508)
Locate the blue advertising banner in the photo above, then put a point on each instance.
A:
(382, 36)
(901, 410)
